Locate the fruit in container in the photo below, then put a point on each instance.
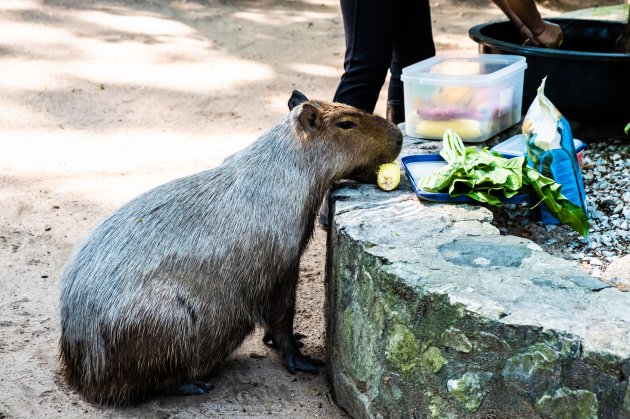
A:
(453, 95)
(468, 129)
(448, 112)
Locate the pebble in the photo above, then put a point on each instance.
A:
(606, 175)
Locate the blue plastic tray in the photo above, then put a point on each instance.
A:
(420, 165)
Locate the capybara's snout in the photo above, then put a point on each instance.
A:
(393, 140)
(395, 136)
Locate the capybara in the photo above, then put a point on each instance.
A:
(171, 283)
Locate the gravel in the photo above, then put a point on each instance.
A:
(606, 174)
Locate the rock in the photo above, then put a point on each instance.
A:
(526, 370)
(403, 350)
(470, 389)
(456, 339)
(432, 359)
(618, 209)
(569, 404)
(618, 273)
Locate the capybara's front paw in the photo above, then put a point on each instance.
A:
(295, 361)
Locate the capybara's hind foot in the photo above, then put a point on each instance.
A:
(268, 340)
(295, 361)
(191, 388)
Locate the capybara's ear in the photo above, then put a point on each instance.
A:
(309, 117)
(296, 98)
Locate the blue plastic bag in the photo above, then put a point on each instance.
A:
(551, 151)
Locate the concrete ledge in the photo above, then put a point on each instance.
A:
(432, 313)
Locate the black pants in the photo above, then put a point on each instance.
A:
(382, 35)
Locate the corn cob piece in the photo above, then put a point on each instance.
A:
(388, 176)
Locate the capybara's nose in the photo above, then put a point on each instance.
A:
(395, 134)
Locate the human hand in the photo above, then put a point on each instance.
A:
(527, 35)
(550, 37)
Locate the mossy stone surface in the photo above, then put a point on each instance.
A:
(403, 351)
(470, 389)
(565, 403)
(417, 328)
(456, 339)
(432, 359)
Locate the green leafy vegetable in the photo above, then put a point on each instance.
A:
(627, 129)
(488, 177)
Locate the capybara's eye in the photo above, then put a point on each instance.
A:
(346, 124)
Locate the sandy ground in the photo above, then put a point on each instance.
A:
(101, 100)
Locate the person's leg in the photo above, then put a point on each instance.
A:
(368, 28)
(413, 42)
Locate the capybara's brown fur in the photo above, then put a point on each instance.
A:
(171, 283)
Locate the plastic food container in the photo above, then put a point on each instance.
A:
(476, 96)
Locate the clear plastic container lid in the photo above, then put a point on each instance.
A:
(515, 146)
(481, 69)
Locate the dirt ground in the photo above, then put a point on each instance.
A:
(101, 100)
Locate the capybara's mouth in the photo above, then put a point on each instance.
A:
(396, 137)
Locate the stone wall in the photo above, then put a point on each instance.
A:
(431, 313)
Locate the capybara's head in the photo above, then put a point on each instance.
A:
(350, 140)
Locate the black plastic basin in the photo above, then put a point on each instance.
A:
(585, 81)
